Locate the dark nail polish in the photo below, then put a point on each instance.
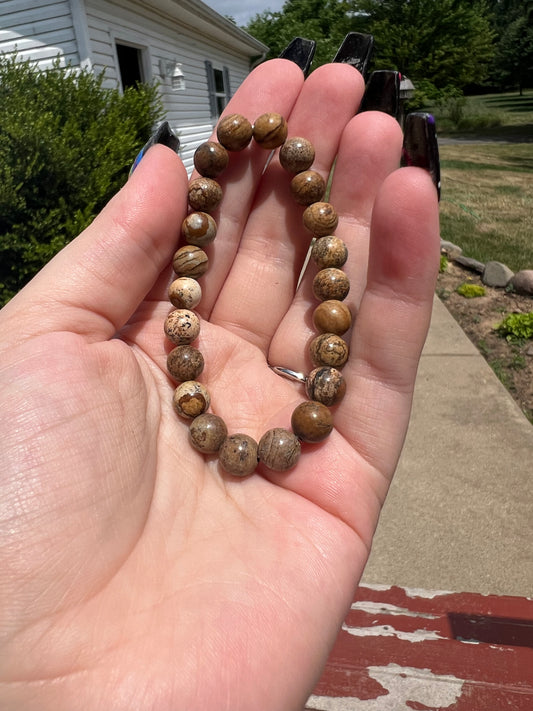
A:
(420, 147)
(382, 93)
(356, 49)
(300, 51)
(164, 135)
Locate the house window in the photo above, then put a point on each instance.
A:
(218, 84)
(129, 64)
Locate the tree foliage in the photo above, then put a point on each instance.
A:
(66, 144)
(325, 21)
(447, 43)
(512, 66)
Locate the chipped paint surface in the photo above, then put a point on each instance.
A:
(401, 685)
(410, 649)
(388, 631)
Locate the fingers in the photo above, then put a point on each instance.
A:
(393, 318)
(95, 284)
(271, 253)
(369, 150)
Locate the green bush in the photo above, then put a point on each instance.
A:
(516, 327)
(67, 144)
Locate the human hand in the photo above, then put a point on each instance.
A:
(135, 573)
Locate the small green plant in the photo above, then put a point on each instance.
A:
(470, 291)
(443, 263)
(516, 327)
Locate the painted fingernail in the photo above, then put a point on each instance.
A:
(356, 49)
(300, 51)
(164, 135)
(382, 93)
(420, 147)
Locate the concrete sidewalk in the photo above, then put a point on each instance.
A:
(459, 515)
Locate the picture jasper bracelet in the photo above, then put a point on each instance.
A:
(312, 421)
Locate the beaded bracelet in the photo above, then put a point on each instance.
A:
(311, 421)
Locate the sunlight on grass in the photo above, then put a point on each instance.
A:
(487, 204)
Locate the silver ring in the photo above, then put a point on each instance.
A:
(289, 374)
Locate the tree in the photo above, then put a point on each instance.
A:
(325, 21)
(449, 43)
(513, 60)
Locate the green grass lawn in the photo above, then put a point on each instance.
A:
(487, 196)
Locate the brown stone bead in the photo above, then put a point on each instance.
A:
(328, 349)
(190, 261)
(320, 218)
(234, 132)
(191, 399)
(296, 154)
(185, 363)
(329, 251)
(210, 159)
(325, 385)
(199, 228)
(238, 455)
(332, 317)
(311, 421)
(279, 449)
(207, 432)
(185, 293)
(205, 194)
(331, 283)
(308, 187)
(182, 326)
(270, 130)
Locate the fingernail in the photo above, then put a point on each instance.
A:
(164, 135)
(300, 51)
(382, 93)
(356, 49)
(420, 147)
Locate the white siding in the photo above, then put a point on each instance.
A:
(188, 111)
(40, 33)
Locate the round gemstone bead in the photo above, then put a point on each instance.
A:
(205, 194)
(311, 421)
(320, 218)
(329, 251)
(279, 449)
(296, 154)
(190, 261)
(191, 399)
(210, 159)
(328, 349)
(207, 432)
(184, 293)
(270, 130)
(185, 363)
(326, 385)
(238, 455)
(182, 326)
(199, 228)
(331, 283)
(332, 317)
(234, 132)
(308, 187)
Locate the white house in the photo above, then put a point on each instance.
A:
(198, 57)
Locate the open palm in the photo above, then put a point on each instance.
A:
(135, 574)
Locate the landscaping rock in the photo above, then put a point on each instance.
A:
(496, 274)
(468, 263)
(522, 282)
(450, 249)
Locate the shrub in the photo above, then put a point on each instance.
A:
(67, 144)
(516, 327)
(470, 291)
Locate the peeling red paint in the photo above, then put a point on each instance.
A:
(411, 638)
